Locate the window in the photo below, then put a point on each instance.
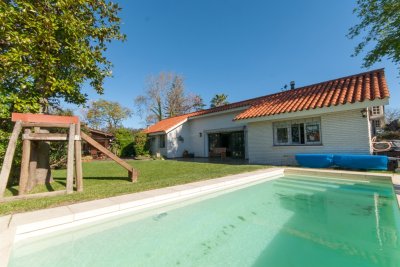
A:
(298, 132)
(162, 140)
(376, 110)
(377, 123)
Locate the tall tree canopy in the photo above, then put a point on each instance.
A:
(165, 97)
(103, 114)
(48, 49)
(380, 21)
(219, 100)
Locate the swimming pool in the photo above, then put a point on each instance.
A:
(295, 220)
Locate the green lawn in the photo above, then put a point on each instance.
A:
(106, 178)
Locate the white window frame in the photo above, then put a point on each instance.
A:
(288, 125)
(376, 110)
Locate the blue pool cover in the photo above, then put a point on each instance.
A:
(361, 162)
(315, 160)
(346, 161)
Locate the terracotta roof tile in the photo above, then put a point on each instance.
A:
(356, 88)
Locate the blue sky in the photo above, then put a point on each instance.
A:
(242, 48)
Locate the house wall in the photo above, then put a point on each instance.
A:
(175, 147)
(214, 123)
(341, 132)
(155, 147)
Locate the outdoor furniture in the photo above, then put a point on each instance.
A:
(218, 152)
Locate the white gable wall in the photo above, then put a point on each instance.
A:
(175, 147)
(341, 132)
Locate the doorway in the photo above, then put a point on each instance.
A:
(232, 141)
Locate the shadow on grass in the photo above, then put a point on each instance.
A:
(108, 178)
(216, 160)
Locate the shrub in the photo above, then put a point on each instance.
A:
(392, 135)
(141, 144)
(123, 143)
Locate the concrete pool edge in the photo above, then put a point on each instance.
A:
(14, 228)
(395, 178)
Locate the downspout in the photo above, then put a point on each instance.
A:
(369, 132)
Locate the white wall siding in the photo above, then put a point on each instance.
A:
(341, 132)
(175, 147)
(198, 145)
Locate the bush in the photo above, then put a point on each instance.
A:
(392, 135)
(123, 143)
(141, 144)
(5, 133)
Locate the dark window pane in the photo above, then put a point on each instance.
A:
(282, 135)
(295, 133)
(312, 132)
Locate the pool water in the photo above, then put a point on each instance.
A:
(291, 221)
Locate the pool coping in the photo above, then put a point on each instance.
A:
(16, 227)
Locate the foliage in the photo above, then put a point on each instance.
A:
(58, 150)
(123, 143)
(175, 102)
(196, 102)
(141, 144)
(106, 179)
(5, 133)
(165, 97)
(103, 114)
(48, 49)
(219, 100)
(380, 21)
(389, 135)
(151, 104)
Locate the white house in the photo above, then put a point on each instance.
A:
(335, 116)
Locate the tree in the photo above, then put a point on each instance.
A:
(176, 102)
(380, 20)
(48, 49)
(165, 97)
(103, 114)
(392, 118)
(151, 104)
(219, 100)
(196, 102)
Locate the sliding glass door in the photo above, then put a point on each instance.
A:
(232, 141)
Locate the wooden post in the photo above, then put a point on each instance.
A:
(132, 173)
(70, 160)
(8, 158)
(26, 154)
(78, 158)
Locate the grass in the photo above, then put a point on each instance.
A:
(106, 179)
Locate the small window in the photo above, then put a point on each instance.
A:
(377, 123)
(162, 140)
(376, 110)
(298, 132)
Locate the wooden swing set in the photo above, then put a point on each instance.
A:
(74, 138)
